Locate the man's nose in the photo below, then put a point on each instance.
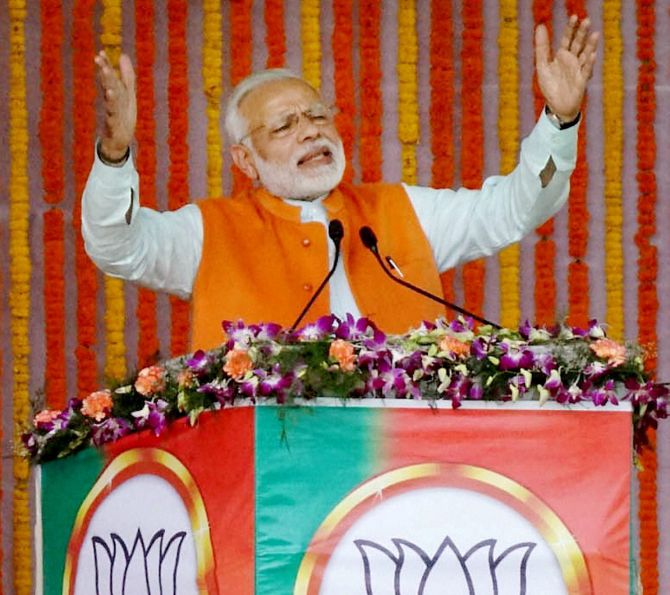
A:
(307, 129)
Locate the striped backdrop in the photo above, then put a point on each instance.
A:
(431, 92)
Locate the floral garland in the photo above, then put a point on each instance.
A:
(53, 179)
(545, 248)
(441, 108)
(508, 139)
(647, 267)
(178, 143)
(275, 33)
(311, 42)
(342, 41)
(613, 108)
(408, 109)
(115, 310)
(145, 134)
(472, 142)
(240, 65)
(354, 359)
(213, 87)
(578, 216)
(84, 89)
(370, 152)
(19, 291)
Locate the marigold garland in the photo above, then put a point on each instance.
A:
(115, 307)
(145, 135)
(53, 180)
(178, 143)
(213, 86)
(647, 271)
(275, 33)
(508, 139)
(344, 78)
(311, 42)
(370, 151)
(19, 291)
(472, 136)
(84, 90)
(578, 217)
(442, 108)
(545, 248)
(408, 109)
(240, 66)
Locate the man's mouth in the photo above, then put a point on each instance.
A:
(320, 156)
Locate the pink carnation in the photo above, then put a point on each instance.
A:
(238, 363)
(613, 352)
(97, 405)
(453, 345)
(46, 416)
(343, 352)
(150, 380)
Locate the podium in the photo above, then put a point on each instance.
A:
(363, 497)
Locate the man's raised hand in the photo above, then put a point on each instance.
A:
(563, 79)
(120, 106)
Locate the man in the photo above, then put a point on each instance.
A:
(260, 255)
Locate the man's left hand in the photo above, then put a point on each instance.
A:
(563, 79)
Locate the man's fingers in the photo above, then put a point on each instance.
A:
(577, 44)
(568, 33)
(542, 49)
(127, 72)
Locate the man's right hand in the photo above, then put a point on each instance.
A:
(120, 106)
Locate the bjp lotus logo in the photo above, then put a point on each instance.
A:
(433, 529)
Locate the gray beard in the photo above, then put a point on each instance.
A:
(288, 181)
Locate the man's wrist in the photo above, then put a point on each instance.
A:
(112, 161)
(559, 122)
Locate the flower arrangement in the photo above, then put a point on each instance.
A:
(350, 358)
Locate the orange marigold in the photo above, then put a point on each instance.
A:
(238, 363)
(97, 405)
(343, 352)
(150, 380)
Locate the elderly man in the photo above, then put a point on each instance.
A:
(260, 255)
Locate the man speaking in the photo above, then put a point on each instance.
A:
(260, 255)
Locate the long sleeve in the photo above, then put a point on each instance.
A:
(465, 224)
(159, 250)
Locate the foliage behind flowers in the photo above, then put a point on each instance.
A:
(354, 359)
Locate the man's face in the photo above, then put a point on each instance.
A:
(292, 141)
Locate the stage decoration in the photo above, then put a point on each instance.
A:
(19, 291)
(408, 109)
(212, 48)
(545, 248)
(145, 134)
(442, 108)
(342, 41)
(115, 307)
(370, 149)
(241, 46)
(275, 39)
(472, 134)
(83, 123)
(353, 359)
(311, 42)
(178, 143)
(508, 140)
(647, 272)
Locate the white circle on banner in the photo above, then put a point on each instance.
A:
(437, 540)
(139, 542)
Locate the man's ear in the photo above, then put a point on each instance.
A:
(244, 160)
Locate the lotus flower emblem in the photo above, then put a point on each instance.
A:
(478, 571)
(141, 568)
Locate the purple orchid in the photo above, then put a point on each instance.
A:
(109, 430)
(222, 391)
(317, 330)
(516, 359)
(199, 363)
(152, 416)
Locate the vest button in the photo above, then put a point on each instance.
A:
(307, 287)
(306, 242)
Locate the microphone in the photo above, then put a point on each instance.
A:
(369, 240)
(335, 233)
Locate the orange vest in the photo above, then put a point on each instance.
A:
(261, 264)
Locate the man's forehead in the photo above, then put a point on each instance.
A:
(278, 95)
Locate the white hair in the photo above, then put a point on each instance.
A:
(236, 124)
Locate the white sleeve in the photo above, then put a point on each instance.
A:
(464, 224)
(158, 250)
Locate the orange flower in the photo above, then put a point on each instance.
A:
(185, 379)
(46, 416)
(97, 405)
(150, 380)
(453, 345)
(614, 353)
(238, 363)
(343, 352)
